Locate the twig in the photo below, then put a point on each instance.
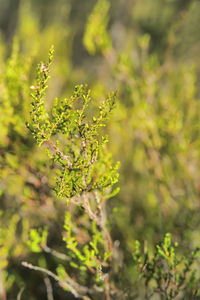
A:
(86, 206)
(20, 293)
(107, 288)
(65, 157)
(49, 288)
(51, 274)
(55, 253)
(2, 290)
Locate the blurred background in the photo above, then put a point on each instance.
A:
(147, 50)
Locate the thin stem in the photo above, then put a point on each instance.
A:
(2, 289)
(64, 284)
(55, 253)
(20, 293)
(49, 288)
(65, 157)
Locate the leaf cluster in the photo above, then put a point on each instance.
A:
(85, 178)
(166, 273)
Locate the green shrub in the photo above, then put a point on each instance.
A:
(165, 273)
(45, 218)
(85, 177)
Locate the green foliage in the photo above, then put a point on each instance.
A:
(90, 255)
(8, 240)
(41, 124)
(85, 173)
(166, 273)
(82, 163)
(149, 52)
(96, 38)
(14, 88)
(37, 239)
(24, 202)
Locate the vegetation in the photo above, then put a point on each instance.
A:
(68, 228)
(85, 176)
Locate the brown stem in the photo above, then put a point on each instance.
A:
(2, 289)
(49, 288)
(107, 285)
(76, 289)
(65, 157)
(55, 253)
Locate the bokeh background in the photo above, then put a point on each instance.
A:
(147, 50)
